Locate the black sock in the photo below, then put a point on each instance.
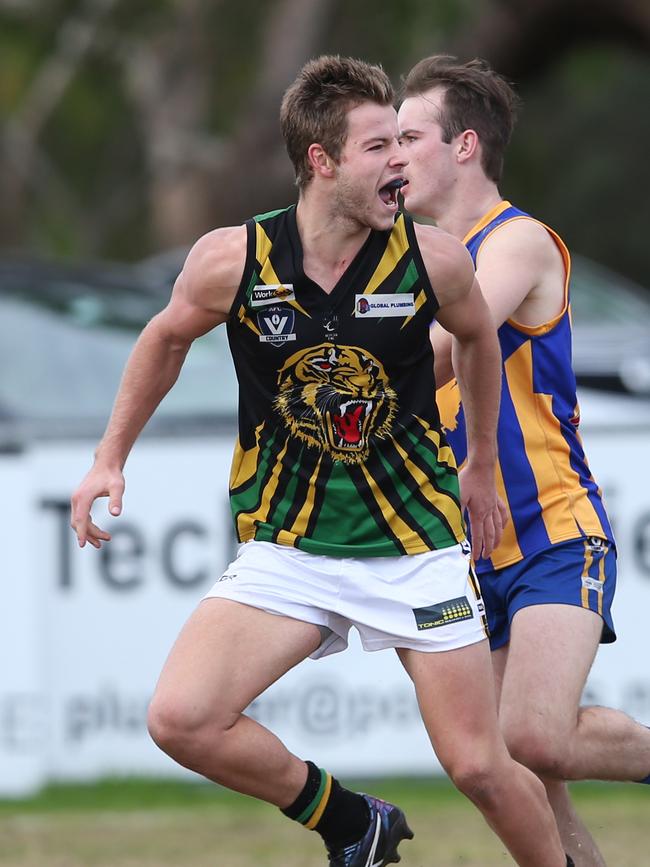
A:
(341, 817)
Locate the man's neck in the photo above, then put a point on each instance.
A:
(467, 207)
(327, 238)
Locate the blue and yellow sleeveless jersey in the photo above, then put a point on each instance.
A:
(542, 472)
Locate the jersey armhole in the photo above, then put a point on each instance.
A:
(420, 266)
(249, 269)
(549, 325)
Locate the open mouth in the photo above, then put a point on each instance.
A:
(347, 428)
(388, 193)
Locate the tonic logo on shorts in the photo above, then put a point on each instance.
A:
(272, 293)
(397, 304)
(276, 325)
(444, 613)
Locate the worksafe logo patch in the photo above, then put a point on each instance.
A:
(272, 293)
(452, 611)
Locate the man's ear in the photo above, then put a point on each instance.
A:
(467, 145)
(321, 163)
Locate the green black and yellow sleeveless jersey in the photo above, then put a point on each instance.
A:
(339, 449)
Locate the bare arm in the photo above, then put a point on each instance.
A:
(477, 359)
(201, 299)
(521, 274)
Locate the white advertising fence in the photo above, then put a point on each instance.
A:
(84, 633)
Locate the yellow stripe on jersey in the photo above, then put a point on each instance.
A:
(412, 543)
(589, 559)
(445, 454)
(443, 502)
(548, 454)
(267, 274)
(491, 215)
(263, 247)
(508, 541)
(395, 248)
(602, 577)
(244, 462)
(299, 526)
(246, 520)
(243, 318)
(583, 512)
(419, 301)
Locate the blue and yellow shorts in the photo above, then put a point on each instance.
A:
(581, 572)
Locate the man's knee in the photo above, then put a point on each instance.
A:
(476, 777)
(541, 751)
(180, 728)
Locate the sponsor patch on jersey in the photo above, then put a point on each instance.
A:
(444, 613)
(264, 294)
(397, 304)
(276, 325)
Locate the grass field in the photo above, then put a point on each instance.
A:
(159, 824)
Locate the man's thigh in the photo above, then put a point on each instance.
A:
(228, 653)
(457, 699)
(542, 677)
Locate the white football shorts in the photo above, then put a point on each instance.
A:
(427, 602)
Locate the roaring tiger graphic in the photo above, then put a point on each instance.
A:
(336, 398)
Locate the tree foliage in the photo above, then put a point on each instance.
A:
(132, 127)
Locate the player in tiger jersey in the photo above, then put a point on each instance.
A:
(548, 585)
(343, 491)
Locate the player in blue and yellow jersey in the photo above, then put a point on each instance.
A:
(548, 585)
(344, 493)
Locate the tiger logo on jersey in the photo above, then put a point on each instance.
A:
(336, 398)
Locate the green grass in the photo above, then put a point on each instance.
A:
(160, 823)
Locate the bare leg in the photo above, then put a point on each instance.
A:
(225, 656)
(456, 696)
(576, 838)
(552, 648)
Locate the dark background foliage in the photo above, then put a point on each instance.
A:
(132, 127)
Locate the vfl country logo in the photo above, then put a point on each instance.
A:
(276, 325)
(336, 398)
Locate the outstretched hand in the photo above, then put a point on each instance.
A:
(486, 512)
(99, 482)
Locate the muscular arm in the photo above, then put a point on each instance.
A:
(477, 359)
(521, 274)
(201, 299)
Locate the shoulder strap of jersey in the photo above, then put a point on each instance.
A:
(418, 262)
(261, 232)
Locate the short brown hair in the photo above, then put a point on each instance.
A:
(315, 106)
(476, 97)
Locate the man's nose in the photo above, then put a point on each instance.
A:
(399, 157)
